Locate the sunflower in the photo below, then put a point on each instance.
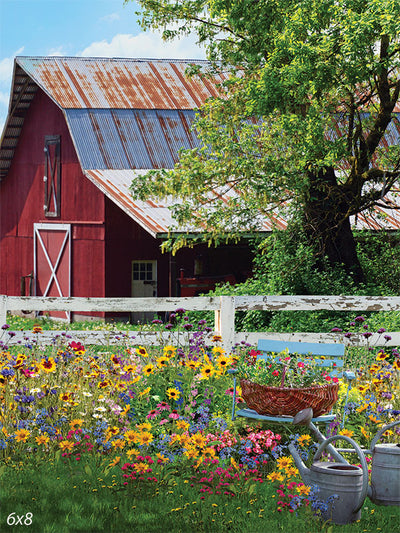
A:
(173, 394)
(76, 422)
(223, 361)
(198, 440)
(148, 369)
(396, 363)
(145, 438)
(144, 426)
(130, 435)
(169, 351)
(191, 452)
(218, 350)
(207, 371)
(162, 361)
(284, 462)
(192, 364)
(275, 476)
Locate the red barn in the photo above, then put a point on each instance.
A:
(77, 131)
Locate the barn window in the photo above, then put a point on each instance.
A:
(52, 176)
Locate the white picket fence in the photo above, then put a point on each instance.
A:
(224, 308)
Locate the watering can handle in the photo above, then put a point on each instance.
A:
(381, 432)
(361, 456)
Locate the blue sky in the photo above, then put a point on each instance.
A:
(103, 28)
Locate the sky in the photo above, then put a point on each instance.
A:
(88, 28)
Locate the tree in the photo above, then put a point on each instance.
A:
(309, 90)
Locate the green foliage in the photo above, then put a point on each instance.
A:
(308, 92)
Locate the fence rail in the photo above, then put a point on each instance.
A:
(224, 308)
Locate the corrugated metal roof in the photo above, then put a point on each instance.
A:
(93, 83)
(130, 138)
(128, 115)
(154, 217)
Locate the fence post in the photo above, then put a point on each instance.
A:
(225, 321)
(3, 310)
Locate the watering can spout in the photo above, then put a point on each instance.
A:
(301, 467)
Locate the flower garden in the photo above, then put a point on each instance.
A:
(131, 437)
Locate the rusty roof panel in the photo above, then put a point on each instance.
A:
(118, 83)
(130, 139)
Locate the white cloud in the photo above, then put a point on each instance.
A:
(111, 17)
(59, 51)
(145, 45)
(6, 66)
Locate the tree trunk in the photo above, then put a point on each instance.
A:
(327, 222)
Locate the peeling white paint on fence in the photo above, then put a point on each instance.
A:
(224, 308)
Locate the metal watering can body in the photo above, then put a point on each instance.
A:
(385, 471)
(348, 484)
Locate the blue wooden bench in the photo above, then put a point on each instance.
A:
(332, 359)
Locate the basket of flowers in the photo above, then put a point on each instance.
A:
(285, 384)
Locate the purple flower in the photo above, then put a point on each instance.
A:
(367, 334)
(156, 321)
(352, 323)
(387, 337)
(381, 330)
(5, 326)
(359, 319)
(188, 326)
(336, 330)
(169, 326)
(348, 335)
(179, 311)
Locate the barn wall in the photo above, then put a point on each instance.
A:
(21, 205)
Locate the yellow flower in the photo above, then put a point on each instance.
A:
(224, 361)
(162, 361)
(130, 435)
(218, 350)
(304, 490)
(173, 394)
(304, 440)
(169, 351)
(363, 388)
(198, 440)
(129, 368)
(145, 391)
(207, 371)
(65, 396)
(374, 419)
(118, 443)
(48, 365)
(192, 364)
(208, 452)
(148, 369)
(142, 351)
(37, 329)
(76, 422)
(144, 426)
(234, 464)
(182, 424)
(162, 458)
(364, 432)
(140, 467)
(374, 368)
(216, 338)
(382, 356)
(21, 435)
(42, 439)
(66, 445)
(104, 384)
(275, 476)
(284, 462)
(291, 471)
(145, 438)
(115, 461)
(346, 432)
(396, 363)
(132, 452)
(191, 452)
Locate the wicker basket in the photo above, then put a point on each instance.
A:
(276, 401)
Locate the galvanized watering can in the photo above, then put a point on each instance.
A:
(385, 470)
(347, 482)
